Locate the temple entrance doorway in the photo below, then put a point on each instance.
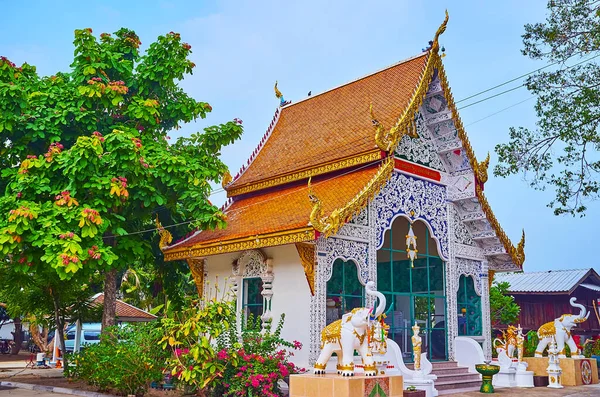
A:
(415, 290)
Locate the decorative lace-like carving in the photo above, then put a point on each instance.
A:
(354, 232)
(420, 150)
(416, 199)
(469, 267)
(362, 218)
(468, 251)
(253, 263)
(461, 234)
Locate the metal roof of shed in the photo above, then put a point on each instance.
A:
(550, 281)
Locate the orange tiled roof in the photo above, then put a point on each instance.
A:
(253, 219)
(332, 126)
(126, 311)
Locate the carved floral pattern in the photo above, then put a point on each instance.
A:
(417, 199)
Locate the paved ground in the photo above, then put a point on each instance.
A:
(6, 392)
(578, 391)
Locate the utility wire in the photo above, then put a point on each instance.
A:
(500, 111)
(515, 88)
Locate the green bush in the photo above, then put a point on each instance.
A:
(530, 344)
(126, 360)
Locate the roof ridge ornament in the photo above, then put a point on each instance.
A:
(481, 171)
(388, 141)
(329, 225)
(165, 236)
(436, 44)
(279, 96)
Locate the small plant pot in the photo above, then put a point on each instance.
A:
(414, 393)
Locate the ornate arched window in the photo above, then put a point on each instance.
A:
(344, 290)
(469, 308)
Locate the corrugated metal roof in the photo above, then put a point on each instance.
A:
(548, 281)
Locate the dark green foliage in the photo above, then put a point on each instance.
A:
(562, 152)
(503, 309)
(530, 344)
(125, 361)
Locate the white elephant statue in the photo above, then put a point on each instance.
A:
(560, 329)
(344, 336)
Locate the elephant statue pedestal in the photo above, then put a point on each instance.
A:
(575, 371)
(331, 384)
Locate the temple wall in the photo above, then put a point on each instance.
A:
(291, 294)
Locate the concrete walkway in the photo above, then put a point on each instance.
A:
(577, 391)
(27, 393)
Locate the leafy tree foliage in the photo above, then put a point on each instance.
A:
(87, 164)
(562, 152)
(503, 309)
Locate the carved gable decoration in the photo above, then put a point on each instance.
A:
(252, 263)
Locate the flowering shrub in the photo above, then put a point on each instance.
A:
(261, 360)
(190, 336)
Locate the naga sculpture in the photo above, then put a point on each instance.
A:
(560, 329)
(344, 336)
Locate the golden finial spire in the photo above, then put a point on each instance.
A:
(436, 45)
(482, 169)
(278, 93)
(165, 235)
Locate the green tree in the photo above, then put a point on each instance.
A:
(87, 164)
(562, 152)
(503, 309)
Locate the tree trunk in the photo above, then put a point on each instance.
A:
(40, 339)
(17, 336)
(110, 299)
(60, 327)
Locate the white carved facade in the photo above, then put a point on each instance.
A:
(465, 240)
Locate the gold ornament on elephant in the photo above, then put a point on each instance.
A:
(352, 333)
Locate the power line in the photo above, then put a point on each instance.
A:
(500, 111)
(515, 88)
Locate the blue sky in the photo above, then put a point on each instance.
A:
(242, 47)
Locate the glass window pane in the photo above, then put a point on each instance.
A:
(384, 276)
(352, 285)
(421, 310)
(401, 270)
(252, 302)
(91, 335)
(436, 276)
(335, 285)
(420, 276)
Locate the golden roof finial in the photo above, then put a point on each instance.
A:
(316, 214)
(165, 235)
(482, 169)
(226, 179)
(436, 45)
(278, 93)
(520, 251)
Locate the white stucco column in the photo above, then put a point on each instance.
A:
(485, 311)
(267, 293)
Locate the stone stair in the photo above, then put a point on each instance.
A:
(453, 379)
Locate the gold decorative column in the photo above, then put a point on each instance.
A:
(197, 267)
(307, 258)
